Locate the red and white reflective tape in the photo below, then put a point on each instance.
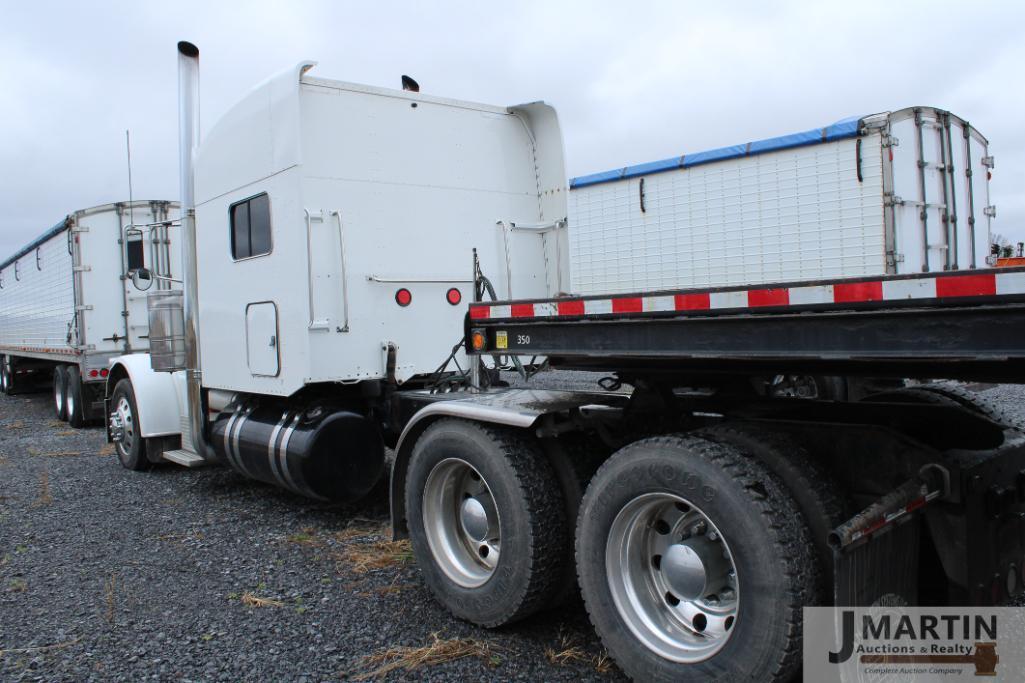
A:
(926, 287)
(893, 517)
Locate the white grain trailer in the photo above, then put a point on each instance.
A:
(328, 234)
(887, 194)
(67, 305)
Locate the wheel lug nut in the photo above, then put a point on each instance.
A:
(712, 536)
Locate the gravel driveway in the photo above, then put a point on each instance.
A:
(204, 575)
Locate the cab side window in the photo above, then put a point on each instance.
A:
(134, 251)
(250, 227)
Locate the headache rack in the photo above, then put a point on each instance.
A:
(960, 325)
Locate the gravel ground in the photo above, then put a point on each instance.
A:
(107, 574)
(110, 574)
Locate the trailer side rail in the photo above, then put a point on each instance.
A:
(958, 325)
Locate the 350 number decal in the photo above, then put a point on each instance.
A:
(523, 340)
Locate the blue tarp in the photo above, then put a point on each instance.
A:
(845, 128)
(37, 242)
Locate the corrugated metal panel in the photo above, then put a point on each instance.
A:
(800, 213)
(37, 307)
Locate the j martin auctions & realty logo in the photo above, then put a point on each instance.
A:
(905, 643)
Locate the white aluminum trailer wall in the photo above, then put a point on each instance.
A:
(847, 200)
(66, 296)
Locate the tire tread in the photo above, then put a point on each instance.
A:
(788, 532)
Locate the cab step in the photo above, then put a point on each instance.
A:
(184, 458)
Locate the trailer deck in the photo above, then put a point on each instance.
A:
(961, 325)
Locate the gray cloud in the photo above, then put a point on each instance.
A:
(633, 81)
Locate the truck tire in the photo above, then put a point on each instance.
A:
(816, 493)
(10, 381)
(60, 388)
(692, 561)
(131, 447)
(74, 398)
(5, 375)
(820, 387)
(487, 521)
(972, 401)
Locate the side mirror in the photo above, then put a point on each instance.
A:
(142, 279)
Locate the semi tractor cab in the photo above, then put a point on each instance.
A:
(360, 263)
(328, 251)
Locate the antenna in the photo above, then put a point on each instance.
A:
(128, 147)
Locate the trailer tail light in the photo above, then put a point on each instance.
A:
(104, 372)
(477, 340)
(403, 297)
(454, 296)
(94, 373)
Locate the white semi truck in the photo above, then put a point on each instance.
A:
(67, 303)
(350, 258)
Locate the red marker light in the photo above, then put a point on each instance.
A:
(94, 373)
(403, 297)
(454, 296)
(104, 372)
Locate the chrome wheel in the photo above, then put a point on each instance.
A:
(672, 577)
(4, 379)
(794, 386)
(69, 398)
(122, 426)
(461, 522)
(58, 397)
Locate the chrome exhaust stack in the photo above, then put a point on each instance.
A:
(188, 142)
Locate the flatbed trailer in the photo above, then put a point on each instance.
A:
(958, 324)
(912, 495)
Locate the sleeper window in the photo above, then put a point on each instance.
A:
(250, 227)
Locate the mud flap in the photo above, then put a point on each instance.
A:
(876, 552)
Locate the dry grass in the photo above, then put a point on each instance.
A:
(44, 498)
(59, 424)
(569, 652)
(307, 537)
(366, 546)
(18, 586)
(251, 600)
(366, 557)
(108, 449)
(41, 648)
(110, 597)
(566, 652)
(3, 459)
(603, 662)
(362, 528)
(52, 454)
(439, 651)
(66, 432)
(17, 424)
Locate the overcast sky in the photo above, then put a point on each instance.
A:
(632, 81)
